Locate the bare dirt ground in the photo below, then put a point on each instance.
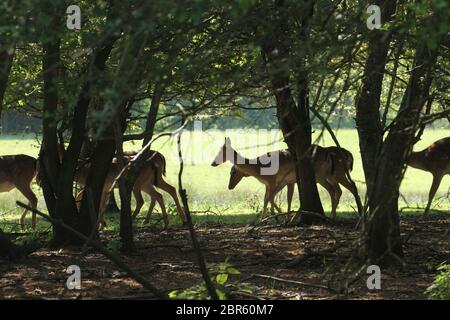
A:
(314, 255)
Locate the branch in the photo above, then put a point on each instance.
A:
(300, 283)
(196, 246)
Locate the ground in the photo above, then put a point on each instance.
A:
(314, 255)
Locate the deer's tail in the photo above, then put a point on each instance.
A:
(349, 161)
(163, 162)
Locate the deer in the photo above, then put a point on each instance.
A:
(436, 160)
(342, 163)
(330, 165)
(18, 171)
(149, 177)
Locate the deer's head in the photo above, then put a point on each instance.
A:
(235, 177)
(226, 153)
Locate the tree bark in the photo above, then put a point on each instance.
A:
(368, 120)
(50, 171)
(57, 174)
(48, 158)
(293, 117)
(383, 242)
(6, 59)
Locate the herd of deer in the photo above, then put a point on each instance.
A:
(331, 166)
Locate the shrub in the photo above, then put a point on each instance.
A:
(440, 289)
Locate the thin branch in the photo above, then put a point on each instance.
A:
(195, 244)
(300, 283)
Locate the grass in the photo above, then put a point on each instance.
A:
(206, 186)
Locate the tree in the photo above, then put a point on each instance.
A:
(384, 159)
(293, 116)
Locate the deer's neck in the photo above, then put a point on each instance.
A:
(417, 160)
(250, 167)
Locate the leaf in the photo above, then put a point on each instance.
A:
(222, 278)
(233, 271)
(221, 294)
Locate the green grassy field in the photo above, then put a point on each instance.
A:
(207, 186)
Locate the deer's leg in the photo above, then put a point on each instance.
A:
(266, 201)
(158, 197)
(102, 209)
(337, 197)
(290, 193)
(273, 203)
(335, 193)
(173, 193)
(350, 186)
(25, 189)
(139, 201)
(150, 210)
(347, 184)
(437, 178)
(274, 192)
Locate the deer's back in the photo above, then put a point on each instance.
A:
(14, 169)
(438, 155)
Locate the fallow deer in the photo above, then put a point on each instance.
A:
(149, 177)
(436, 160)
(17, 171)
(330, 165)
(342, 163)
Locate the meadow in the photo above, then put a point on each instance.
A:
(207, 186)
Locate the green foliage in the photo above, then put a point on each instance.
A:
(440, 289)
(221, 276)
(113, 245)
(34, 240)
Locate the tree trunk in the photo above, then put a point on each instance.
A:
(6, 59)
(384, 243)
(112, 205)
(49, 158)
(50, 170)
(100, 163)
(368, 121)
(293, 118)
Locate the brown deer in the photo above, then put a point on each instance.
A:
(17, 171)
(150, 176)
(436, 160)
(329, 166)
(342, 162)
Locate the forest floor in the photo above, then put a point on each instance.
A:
(295, 260)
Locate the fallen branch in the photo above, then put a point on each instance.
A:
(310, 213)
(274, 216)
(111, 256)
(300, 283)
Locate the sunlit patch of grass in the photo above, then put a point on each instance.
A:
(207, 186)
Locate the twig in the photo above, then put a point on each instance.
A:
(195, 244)
(140, 279)
(300, 283)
